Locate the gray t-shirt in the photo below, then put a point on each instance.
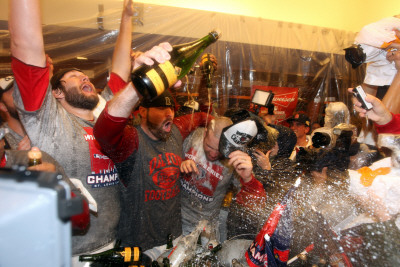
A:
(151, 195)
(70, 141)
(202, 194)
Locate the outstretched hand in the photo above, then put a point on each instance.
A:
(379, 113)
(189, 166)
(128, 8)
(159, 54)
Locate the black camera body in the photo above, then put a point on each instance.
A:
(359, 93)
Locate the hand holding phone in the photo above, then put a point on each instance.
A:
(359, 93)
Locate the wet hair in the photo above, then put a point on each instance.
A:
(55, 81)
(286, 140)
(217, 124)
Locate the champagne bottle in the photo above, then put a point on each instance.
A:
(151, 81)
(34, 156)
(169, 241)
(132, 255)
(166, 262)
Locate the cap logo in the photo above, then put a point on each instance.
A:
(241, 133)
(167, 101)
(240, 138)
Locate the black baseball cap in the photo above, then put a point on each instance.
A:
(6, 84)
(163, 100)
(55, 80)
(301, 118)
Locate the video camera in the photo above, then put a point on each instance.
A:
(330, 148)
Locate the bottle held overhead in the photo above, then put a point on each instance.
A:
(152, 80)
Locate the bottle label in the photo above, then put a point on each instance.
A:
(178, 71)
(127, 254)
(169, 72)
(155, 78)
(136, 254)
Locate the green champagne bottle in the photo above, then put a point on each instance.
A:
(166, 262)
(169, 241)
(132, 255)
(151, 81)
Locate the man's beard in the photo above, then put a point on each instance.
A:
(79, 100)
(158, 132)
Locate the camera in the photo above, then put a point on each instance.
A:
(359, 93)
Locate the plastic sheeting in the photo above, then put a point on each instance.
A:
(252, 52)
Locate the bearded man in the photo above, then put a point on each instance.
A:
(58, 115)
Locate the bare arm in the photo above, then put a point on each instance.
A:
(379, 112)
(25, 27)
(121, 61)
(392, 96)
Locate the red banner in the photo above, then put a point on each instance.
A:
(285, 100)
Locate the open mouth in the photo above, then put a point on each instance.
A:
(167, 126)
(87, 88)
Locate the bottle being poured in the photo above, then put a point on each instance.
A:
(151, 81)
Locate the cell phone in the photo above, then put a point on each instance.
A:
(359, 93)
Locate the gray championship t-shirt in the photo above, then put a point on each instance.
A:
(202, 194)
(70, 141)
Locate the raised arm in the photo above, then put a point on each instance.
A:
(121, 61)
(25, 27)
(392, 97)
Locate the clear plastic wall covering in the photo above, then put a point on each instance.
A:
(251, 52)
(307, 61)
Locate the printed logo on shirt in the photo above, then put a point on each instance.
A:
(164, 170)
(204, 184)
(104, 172)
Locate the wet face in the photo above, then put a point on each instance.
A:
(210, 146)
(79, 91)
(299, 129)
(159, 122)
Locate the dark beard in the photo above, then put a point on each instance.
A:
(78, 100)
(159, 133)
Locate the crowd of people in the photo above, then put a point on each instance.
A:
(163, 174)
